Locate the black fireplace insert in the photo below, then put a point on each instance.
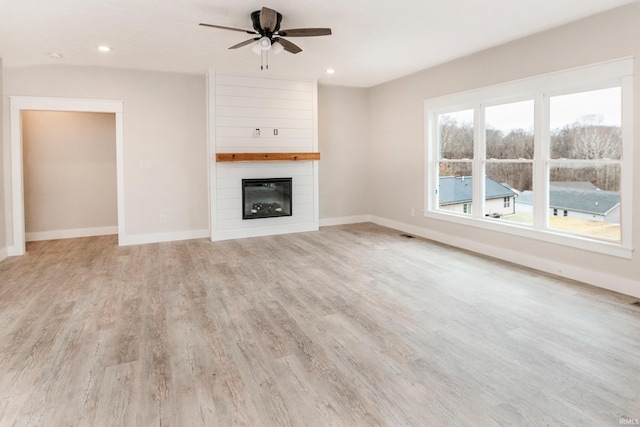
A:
(266, 198)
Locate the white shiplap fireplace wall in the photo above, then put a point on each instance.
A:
(285, 112)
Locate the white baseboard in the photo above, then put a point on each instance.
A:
(141, 239)
(602, 280)
(4, 254)
(327, 222)
(70, 234)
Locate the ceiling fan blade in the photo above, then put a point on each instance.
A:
(244, 43)
(268, 18)
(305, 32)
(288, 46)
(228, 28)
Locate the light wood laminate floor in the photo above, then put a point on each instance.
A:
(349, 326)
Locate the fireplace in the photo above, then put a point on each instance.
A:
(266, 198)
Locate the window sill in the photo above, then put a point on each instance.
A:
(549, 236)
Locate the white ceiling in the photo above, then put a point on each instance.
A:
(372, 42)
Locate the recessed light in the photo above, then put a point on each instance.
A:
(330, 71)
(104, 48)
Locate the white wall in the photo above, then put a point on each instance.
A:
(3, 225)
(397, 122)
(164, 122)
(344, 134)
(69, 174)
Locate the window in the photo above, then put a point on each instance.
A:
(455, 147)
(584, 161)
(508, 162)
(509, 157)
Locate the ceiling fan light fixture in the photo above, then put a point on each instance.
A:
(256, 48)
(276, 48)
(261, 45)
(265, 43)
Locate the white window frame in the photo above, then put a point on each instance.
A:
(540, 89)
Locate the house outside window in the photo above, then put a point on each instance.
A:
(561, 134)
(455, 195)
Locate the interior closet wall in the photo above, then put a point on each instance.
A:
(3, 169)
(69, 174)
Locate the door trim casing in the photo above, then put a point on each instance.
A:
(17, 104)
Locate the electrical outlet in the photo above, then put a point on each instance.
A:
(145, 164)
(413, 212)
(163, 219)
(256, 133)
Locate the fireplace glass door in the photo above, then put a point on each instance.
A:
(266, 198)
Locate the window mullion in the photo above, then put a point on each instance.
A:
(432, 160)
(479, 156)
(540, 161)
(626, 178)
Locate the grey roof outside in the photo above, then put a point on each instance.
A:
(592, 201)
(459, 189)
(575, 185)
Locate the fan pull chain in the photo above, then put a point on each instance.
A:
(264, 60)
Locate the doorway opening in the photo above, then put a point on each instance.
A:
(20, 105)
(69, 172)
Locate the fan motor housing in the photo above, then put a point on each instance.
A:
(255, 19)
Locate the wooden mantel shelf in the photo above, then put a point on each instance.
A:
(261, 157)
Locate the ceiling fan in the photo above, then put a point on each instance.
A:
(269, 36)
